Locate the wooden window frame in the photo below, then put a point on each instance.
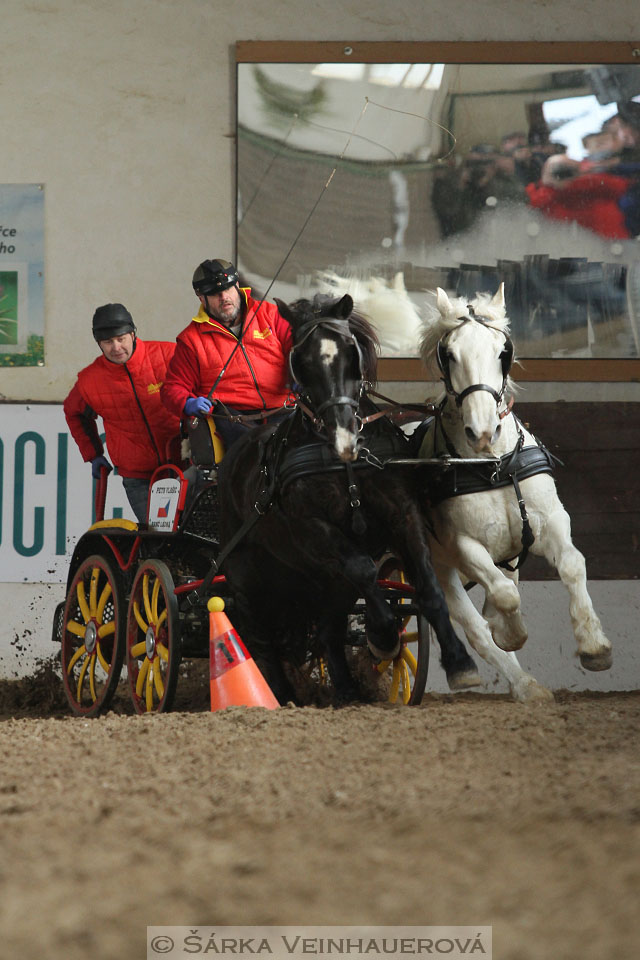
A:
(543, 369)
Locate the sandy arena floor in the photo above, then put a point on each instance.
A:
(468, 810)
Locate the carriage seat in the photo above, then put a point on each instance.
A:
(206, 449)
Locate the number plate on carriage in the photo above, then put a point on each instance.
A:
(164, 500)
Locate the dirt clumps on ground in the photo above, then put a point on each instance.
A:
(468, 810)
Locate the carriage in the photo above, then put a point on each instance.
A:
(136, 600)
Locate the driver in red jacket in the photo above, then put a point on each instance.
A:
(234, 351)
(123, 387)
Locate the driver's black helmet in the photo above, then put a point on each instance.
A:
(112, 320)
(213, 276)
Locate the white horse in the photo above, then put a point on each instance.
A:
(476, 530)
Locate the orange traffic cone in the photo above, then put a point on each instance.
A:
(234, 678)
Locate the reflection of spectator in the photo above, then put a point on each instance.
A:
(600, 151)
(624, 127)
(542, 148)
(590, 199)
(484, 179)
(526, 167)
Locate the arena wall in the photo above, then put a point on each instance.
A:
(125, 112)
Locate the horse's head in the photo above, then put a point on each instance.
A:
(334, 353)
(474, 353)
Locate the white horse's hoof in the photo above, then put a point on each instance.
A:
(534, 692)
(509, 633)
(465, 680)
(597, 661)
(507, 641)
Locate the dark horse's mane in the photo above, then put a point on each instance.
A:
(359, 325)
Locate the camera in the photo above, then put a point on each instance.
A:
(564, 173)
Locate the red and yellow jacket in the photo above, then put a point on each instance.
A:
(127, 397)
(256, 373)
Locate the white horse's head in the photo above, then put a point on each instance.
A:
(470, 342)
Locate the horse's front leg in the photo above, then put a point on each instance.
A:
(332, 635)
(336, 558)
(383, 635)
(522, 685)
(412, 546)
(502, 605)
(555, 544)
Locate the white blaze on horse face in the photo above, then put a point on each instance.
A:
(345, 431)
(476, 360)
(328, 351)
(346, 443)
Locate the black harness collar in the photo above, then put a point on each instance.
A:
(517, 465)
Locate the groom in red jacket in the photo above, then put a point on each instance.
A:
(123, 387)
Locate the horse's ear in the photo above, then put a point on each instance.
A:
(442, 302)
(284, 310)
(344, 307)
(498, 298)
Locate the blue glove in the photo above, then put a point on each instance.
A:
(97, 463)
(197, 406)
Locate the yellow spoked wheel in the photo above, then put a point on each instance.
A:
(410, 668)
(92, 635)
(153, 639)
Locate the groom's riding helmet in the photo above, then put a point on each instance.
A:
(112, 320)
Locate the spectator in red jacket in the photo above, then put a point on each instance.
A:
(235, 351)
(123, 387)
(592, 199)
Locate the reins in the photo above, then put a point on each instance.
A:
(249, 418)
(264, 499)
(398, 413)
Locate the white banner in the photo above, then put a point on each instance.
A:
(46, 494)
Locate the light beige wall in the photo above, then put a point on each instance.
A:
(125, 110)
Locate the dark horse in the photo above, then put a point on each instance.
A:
(322, 514)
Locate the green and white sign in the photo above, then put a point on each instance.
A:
(21, 275)
(46, 494)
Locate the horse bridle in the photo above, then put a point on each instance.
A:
(342, 328)
(506, 359)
